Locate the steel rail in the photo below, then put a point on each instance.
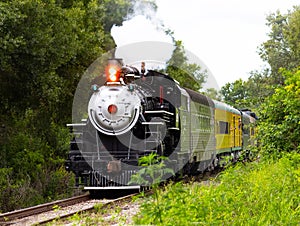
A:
(5, 218)
(104, 205)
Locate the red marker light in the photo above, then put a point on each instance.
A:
(112, 73)
(112, 109)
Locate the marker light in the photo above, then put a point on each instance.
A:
(95, 88)
(112, 109)
(112, 73)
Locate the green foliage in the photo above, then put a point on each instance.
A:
(234, 92)
(188, 75)
(16, 193)
(293, 36)
(250, 93)
(280, 117)
(213, 94)
(254, 194)
(153, 171)
(45, 47)
(35, 169)
(282, 50)
(278, 109)
(44, 66)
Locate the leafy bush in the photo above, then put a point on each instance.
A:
(31, 170)
(45, 48)
(153, 172)
(280, 118)
(255, 194)
(15, 193)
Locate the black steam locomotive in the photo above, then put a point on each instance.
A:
(137, 113)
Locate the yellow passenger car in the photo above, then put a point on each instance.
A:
(228, 129)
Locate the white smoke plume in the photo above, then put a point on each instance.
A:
(148, 8)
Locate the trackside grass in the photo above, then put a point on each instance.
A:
(264, 193)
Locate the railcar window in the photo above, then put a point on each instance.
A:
(224, 127)
(207, 124)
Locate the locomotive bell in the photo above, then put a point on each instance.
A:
(114, 110)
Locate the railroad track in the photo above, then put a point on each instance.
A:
(104, 204)
(10, 217)
(62, 209)
(41, 214)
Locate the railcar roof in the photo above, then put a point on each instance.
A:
(226, 107)
(200, 98)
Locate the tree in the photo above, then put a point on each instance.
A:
(188, 75)
(259, 87)
(282, 49)
(234, 93)
(280, 117)
(45, 47)
(274, 93)
(250, 93)
(213, 94)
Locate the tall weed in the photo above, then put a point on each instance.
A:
(265, 193)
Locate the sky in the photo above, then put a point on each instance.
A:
(224, 34)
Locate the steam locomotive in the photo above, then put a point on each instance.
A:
(136, 113)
